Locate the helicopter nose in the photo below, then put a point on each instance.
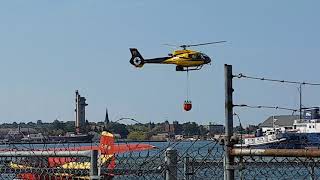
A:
(207, 60)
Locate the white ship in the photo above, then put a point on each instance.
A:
(305, 133)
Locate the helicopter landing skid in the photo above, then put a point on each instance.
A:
(180, 68)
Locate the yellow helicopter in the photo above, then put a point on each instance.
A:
(185, 59)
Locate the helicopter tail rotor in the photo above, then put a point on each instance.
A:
(136, 58)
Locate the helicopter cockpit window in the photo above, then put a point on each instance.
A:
(204, 56)
(195, 56)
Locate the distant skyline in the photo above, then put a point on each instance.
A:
(49, 49)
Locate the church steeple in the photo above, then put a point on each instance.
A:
(106, 120)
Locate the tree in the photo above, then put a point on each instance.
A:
(137, 135)
(31, 124)
(57, 132)
(138, 127)
(69, 126)
(15, 124)
(117, 128)
(190, 129)
(57, 124)
(22, 124)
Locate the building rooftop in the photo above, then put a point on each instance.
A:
(280, 120)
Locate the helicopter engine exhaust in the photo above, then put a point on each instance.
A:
(136, 59)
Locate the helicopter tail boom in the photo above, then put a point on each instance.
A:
(136, 58)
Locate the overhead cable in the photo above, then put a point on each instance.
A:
(275, 80)
(266, 107)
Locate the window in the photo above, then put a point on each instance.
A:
(195, 56)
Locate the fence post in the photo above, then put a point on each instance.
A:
(94, 165)
(186, 167)
(312, 174)
(171, 162)
(228, 159)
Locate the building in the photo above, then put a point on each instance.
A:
(281, 122)
(16, 135)
(214, 128)
(80, 113)
(172, 129)
(160, 137)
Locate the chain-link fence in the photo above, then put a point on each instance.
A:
(188, 160)
(33, 165)
(260, 167)
(45, 161)
(178, 160)
(173, 160)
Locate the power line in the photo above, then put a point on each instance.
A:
(275, 80)
(266, 107)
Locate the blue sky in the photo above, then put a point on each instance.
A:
(48, 49)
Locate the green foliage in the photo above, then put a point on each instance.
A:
(136, 131)
(137, 135)
(57, 132)
(190, 129)
(118, 128)
(57, 124)
(69, 126)
(138, 127)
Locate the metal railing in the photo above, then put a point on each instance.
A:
(178, 160)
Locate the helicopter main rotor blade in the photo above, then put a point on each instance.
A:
(171, 45)
(201, 44)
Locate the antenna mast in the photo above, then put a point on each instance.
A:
(300, 101)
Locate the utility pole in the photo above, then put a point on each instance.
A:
(300, 101)
(228, 158)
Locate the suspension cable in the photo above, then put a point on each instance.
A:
(187, 85)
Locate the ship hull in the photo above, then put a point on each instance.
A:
(288, 140)
(83, 138)
(301, 140)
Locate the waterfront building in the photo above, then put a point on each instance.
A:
(172, 129)
(279, 122)
(160, 137)
(214, 128)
